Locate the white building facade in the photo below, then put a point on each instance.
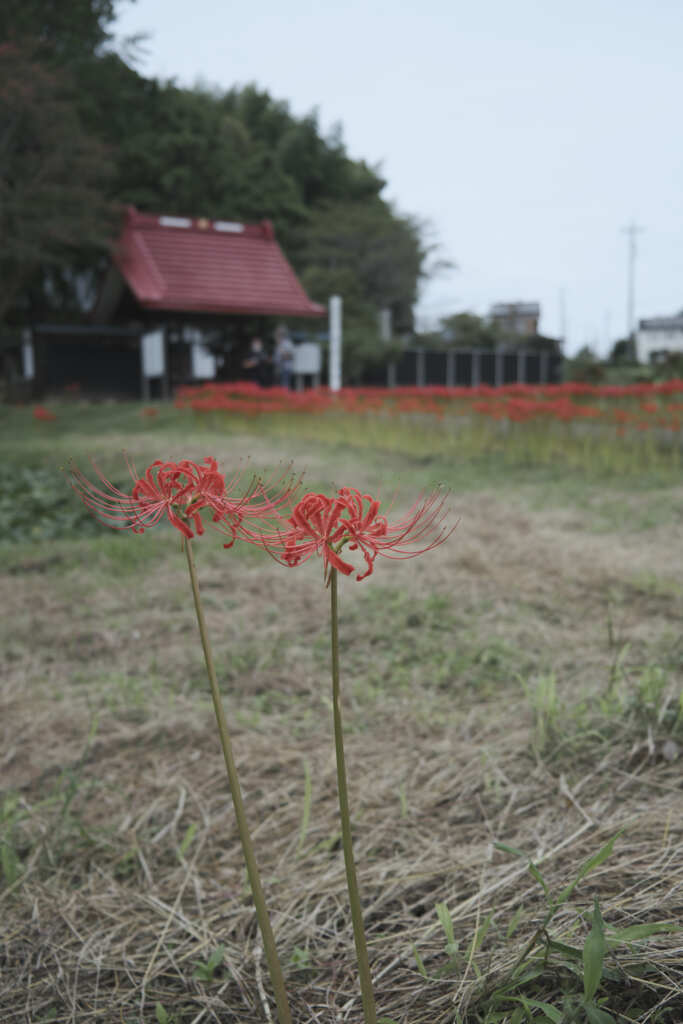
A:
(659, 337)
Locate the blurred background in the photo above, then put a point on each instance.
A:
(473, 176)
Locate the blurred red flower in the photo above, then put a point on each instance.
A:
(41, 413)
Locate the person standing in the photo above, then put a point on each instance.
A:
(283, 357)
(256, 363)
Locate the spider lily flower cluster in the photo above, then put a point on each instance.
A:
(179, 492)
(267, 513)
(325, 526)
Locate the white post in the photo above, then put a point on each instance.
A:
(28, 360)
(385, 324)
(334, 369)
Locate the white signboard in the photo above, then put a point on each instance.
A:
(203, 362)
(153, 354)
(307, 358)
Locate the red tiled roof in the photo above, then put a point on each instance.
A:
(196, 265)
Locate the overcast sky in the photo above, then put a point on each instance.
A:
(527, 133)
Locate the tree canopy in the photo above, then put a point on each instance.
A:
(235, 155)
(52, 176)
(64, 30)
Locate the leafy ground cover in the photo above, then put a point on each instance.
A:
(515, 740)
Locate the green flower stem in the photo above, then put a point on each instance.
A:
(367, 994)
(276, 977)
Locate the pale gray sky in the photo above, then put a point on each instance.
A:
(527, 133)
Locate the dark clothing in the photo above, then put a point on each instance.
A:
(258, 369)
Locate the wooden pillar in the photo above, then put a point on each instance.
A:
(391, 375)
(40, 358)
(144, 379)
(166, 373)
(543, 368)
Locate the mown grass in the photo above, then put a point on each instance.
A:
(512, 699)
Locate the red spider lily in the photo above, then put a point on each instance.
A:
(517, 402)
(324, 526)
(179, 491)
(265, 499)
(41, 413)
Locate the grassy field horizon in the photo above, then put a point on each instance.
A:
(513, 697)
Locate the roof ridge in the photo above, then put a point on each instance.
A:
(138, 219)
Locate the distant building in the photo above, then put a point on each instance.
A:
(174, 286)
(659, 337)
(519, 318)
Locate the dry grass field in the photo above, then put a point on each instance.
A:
(520, 685)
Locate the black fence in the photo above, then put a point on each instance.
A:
(466, 368)
(96, 362)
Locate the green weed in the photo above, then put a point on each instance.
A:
(205, 971)
(574, 980)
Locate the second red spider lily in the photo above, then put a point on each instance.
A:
(352, 522)
(180, 491)
(325, 526)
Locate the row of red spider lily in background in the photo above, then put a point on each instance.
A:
(568, 388)
(266, 512)
(642, 406)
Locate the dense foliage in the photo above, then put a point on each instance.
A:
(35, 505)
(238, 155)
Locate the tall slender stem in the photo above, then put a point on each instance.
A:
(276, 977)
(367, 994)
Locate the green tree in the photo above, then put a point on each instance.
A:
(55, 215)
(585, 366)
(466, 330)
(235, 155)
(51, 203)
(64, 30)
(366, 253)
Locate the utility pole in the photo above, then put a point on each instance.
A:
(632, 231)
(563, 318)
(607, 322)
